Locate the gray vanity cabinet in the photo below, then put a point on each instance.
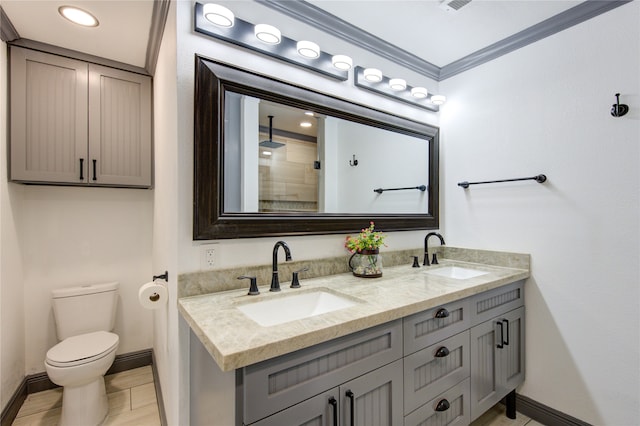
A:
(497, 349)
(321, 410)
(76, 123)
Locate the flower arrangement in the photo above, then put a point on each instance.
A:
(368, 239)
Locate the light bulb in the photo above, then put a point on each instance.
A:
(308, 49)
(342, 62)
(397, 84)
(438, 99)
(219, 15)
(267, 33)
(372, 75)
(419, 92)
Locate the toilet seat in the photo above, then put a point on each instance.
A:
(82, 349)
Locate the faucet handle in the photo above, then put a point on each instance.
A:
(434, 259)
(253, 289)
(295, 283)
(416, 264)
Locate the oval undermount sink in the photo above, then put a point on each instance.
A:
(294, 307)
(456, 272)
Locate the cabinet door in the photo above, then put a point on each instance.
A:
(497, 359)
(119, 127)
(48, 118)
(512, 355)
(321, 410)
(374, 399)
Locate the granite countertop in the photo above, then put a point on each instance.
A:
(235, 341)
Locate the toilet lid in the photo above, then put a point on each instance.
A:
(81, 349)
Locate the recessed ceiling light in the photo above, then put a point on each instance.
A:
(219, 15)
(308, 49)
(267, 33)
(78, 16)
(267, 153)
(309, 113)
(305, 124)
(373, 75)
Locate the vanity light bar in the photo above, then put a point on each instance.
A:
(242, 34)
(383, 88)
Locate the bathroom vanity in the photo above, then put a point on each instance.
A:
(441, 343)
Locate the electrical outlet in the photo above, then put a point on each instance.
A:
(208, 258)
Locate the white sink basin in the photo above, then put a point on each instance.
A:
(294, 307)
(456, 272)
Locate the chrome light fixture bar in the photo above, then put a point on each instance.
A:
(242, 34)
(382, 87)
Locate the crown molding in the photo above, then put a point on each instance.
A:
(7, 30)
(570, 17)
(331, 24)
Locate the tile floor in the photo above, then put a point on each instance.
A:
(132, 401)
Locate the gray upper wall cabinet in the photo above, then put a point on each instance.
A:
(76, 123)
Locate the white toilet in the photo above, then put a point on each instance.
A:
(84, 318)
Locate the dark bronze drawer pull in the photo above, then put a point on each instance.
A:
(442, 352)
(442, 313)
(443, 405)
(334, 404)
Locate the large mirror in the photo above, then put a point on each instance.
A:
(276, 159)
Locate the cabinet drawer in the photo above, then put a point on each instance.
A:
(457, 413)
(276, 384)
(435, 369)
(317, 411)
(429, 327)
(496, 302)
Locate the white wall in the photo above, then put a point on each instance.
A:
(11, 295)
(71, 236)
(545, 109)
(167, 347)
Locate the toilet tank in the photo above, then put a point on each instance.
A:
(84, 309)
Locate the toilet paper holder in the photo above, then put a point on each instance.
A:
(164, 276)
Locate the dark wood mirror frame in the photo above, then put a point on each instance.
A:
(210, 222)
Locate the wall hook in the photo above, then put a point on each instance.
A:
(354, 162)
(618, 109)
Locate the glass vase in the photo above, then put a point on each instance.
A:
(366, 263)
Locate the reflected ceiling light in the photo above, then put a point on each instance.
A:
(308, 49)
(373, 75)
(305, 124)
(309, 113)
(78, 16)
(397, 84)
(419, 92)
(219, 15)
(267, 33)
(267, 153)
(438, 99)
(342, 62)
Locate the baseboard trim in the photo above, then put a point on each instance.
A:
(156, 382)
(40, 382)
(10, 412)
(544, 414)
